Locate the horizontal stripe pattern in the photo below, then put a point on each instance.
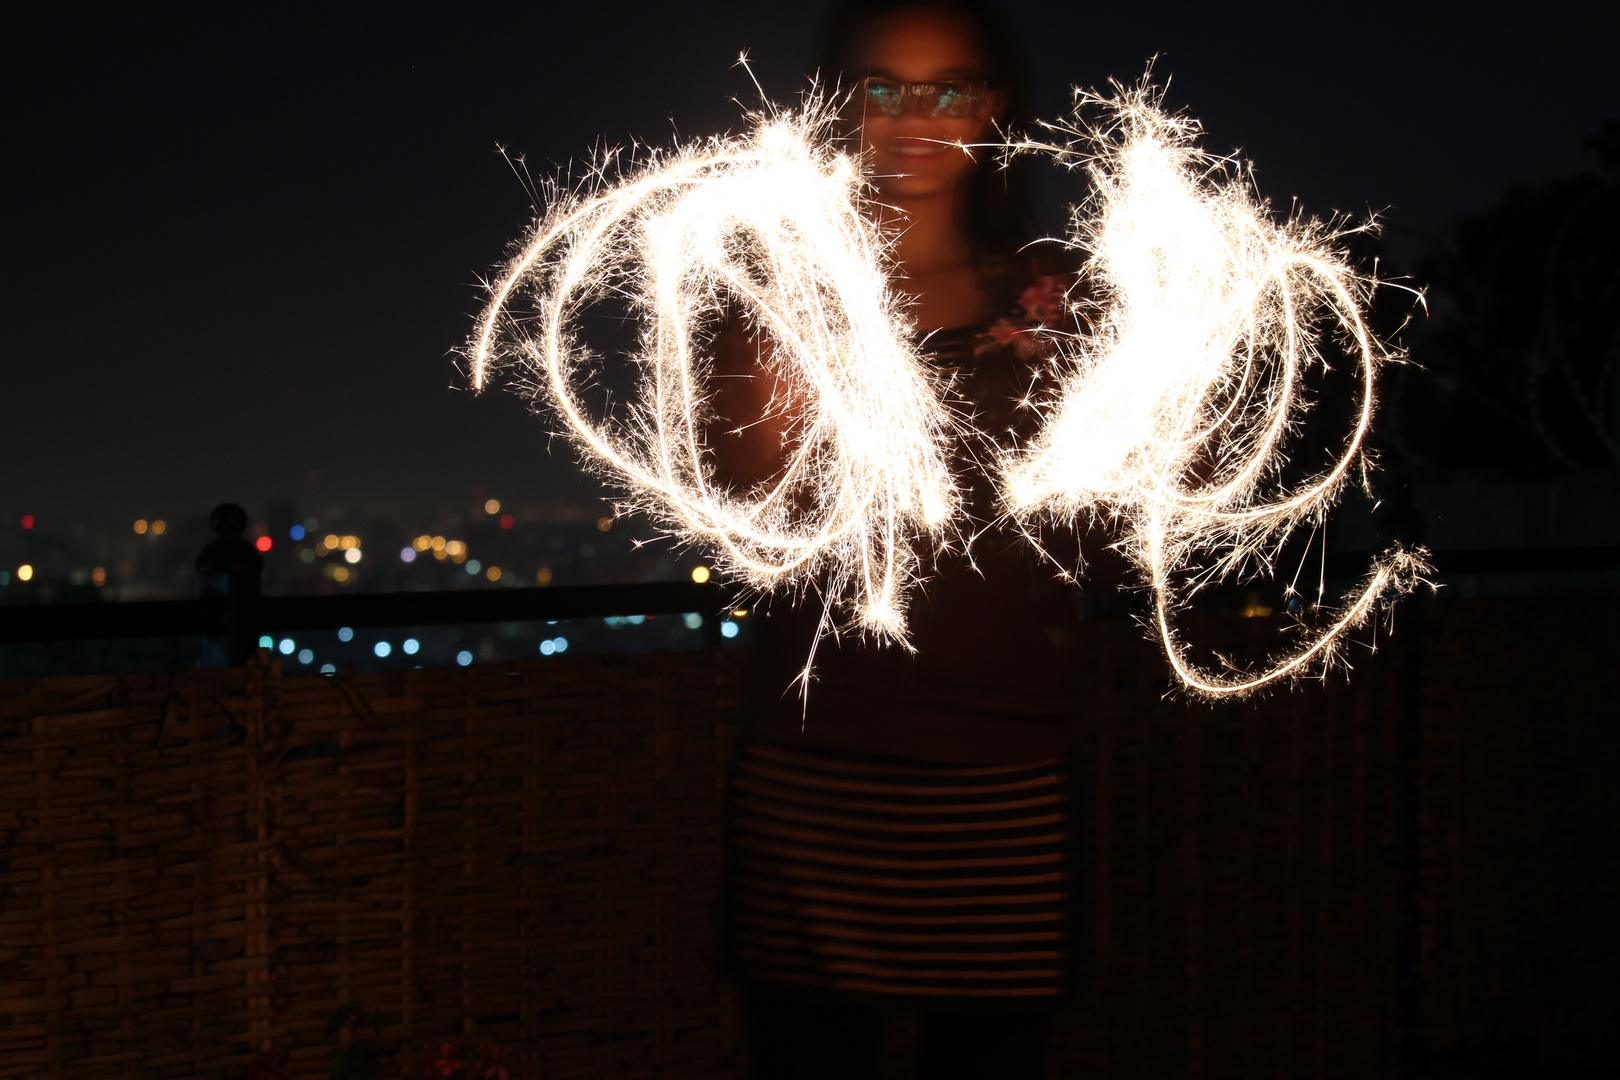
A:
(906, 881)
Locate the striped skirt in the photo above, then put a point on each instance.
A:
(912, 884)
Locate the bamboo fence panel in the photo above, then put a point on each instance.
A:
(203, 866)
(1238, 897)
(1521, 835)
(200, 866)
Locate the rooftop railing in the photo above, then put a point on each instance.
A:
(230, 615)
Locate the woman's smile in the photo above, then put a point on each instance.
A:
(919, 147)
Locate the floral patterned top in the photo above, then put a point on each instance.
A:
(994, 372)
(1043, 304)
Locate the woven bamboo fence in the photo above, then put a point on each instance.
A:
(1521, 836)
(201, 866)
(1242, 913)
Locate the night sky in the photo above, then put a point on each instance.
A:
(241, 242)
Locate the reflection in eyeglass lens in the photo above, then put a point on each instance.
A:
(947, 100)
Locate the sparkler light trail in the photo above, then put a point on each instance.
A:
(1175, 414)
(765, 229)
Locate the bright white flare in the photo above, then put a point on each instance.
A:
(765, 228)
(1173, 417)
(1176, 412)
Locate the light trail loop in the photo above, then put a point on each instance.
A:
(1176, 406)
(767, 229)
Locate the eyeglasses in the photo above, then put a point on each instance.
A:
(956, 99)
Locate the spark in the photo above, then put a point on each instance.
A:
(1176, 406)
(767, 228)
(1175, 412)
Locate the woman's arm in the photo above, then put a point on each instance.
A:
(752, 410)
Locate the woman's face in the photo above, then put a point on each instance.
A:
(912, 154)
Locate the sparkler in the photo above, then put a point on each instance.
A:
(1175, 414)
(766, 228)
(1173, 418)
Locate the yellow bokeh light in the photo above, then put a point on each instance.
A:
(330, 541)
(459, 557)
(140, 527)
(99, 575)
(25, 572)
(603, 524)
(340, 574)
(349, 543)
(422, 543)
(321, 549)
(492, 506)
(700, 574)
(438, 543)
(543, 575)
(160, 526)
(438, 553)
(455, 548)
(493, 573)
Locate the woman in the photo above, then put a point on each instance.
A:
(903, 839)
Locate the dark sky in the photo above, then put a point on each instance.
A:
(241, 240)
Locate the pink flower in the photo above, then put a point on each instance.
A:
(493, 1061)
(446, 1065)
(1042, 301)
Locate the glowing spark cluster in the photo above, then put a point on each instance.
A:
(763, 231)
(1174, 418)
(1175, 414)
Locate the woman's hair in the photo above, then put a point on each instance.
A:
(998, 211)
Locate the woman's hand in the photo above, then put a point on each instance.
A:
(753, 410)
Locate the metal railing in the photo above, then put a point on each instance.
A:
(230, 615)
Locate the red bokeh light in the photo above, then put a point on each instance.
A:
(262, 543)
(507, 521)
(28, 521)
